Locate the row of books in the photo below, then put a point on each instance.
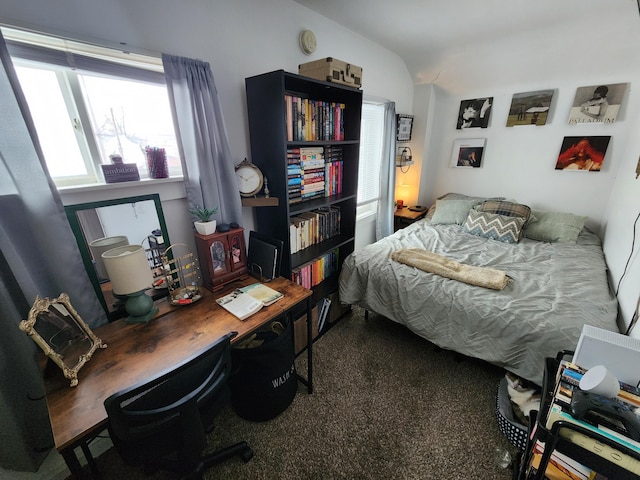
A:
(309, 175)
(309, 120)
(315, 226)
(312, 273)
(560, 467)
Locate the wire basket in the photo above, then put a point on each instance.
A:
(182, 274)
(515, 432)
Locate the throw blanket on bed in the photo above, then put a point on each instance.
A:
(445, 267)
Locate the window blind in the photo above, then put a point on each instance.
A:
(372, 131)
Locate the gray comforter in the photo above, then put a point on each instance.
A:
(555, 289)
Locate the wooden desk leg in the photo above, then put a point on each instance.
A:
(309, 347)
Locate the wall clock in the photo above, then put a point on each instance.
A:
(249, 177)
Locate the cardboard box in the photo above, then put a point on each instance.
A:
(337, 309)
(333, 70)
(300, 330)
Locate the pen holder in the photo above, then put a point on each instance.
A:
(157, 162)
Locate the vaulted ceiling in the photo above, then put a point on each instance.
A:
(429, 34)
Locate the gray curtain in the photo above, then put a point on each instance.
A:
(384, 221)
(38, 256)
(202, 137)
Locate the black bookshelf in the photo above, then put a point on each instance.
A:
(267, 113)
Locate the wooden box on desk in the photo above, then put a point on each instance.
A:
(223, 257)
(300, 330)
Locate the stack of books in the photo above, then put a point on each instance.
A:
(333, 170)
(312, 171)
(567, 382)
(294, 175)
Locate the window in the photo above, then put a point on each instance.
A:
(89, 102)
(371, 135)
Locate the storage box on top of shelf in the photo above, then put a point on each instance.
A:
(300, 330)
(333, 70)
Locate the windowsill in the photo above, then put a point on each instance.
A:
(92, 187)
(168, 188)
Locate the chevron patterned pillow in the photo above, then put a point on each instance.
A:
(492, 225)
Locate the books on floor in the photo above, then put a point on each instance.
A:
(244, 302)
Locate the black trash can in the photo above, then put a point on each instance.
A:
(264, 380)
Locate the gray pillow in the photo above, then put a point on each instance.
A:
(554, 227)
(453, 211)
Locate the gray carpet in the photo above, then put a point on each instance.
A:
(386, 405)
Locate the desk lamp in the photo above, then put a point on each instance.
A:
(130, 275)
(101, 245)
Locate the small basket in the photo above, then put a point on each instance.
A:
(515, 432)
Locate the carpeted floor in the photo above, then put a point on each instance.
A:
(386, 405)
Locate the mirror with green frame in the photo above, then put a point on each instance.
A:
(100, 226)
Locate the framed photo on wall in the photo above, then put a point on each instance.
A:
(404, 125)
(467, 153)
(530, 108)
(474, 113)
(583, 153)
(597, 103)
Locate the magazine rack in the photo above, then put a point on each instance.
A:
(554, 442)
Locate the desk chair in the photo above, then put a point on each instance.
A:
(162, 423)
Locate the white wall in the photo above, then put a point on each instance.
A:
(238, 38)
(519, 161)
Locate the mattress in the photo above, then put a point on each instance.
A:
(554, 289)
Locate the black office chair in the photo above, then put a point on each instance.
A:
(162, 423)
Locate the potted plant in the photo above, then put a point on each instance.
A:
(204, 225)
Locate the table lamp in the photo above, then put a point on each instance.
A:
(101, 245)
(130, 275)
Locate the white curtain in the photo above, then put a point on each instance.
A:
(384, 221)
(202, 137)
(38, 256)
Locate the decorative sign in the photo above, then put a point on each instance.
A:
(123, 172)
(404, 125)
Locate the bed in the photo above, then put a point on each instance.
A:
(557, 282)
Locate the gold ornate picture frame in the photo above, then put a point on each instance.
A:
(60, 332)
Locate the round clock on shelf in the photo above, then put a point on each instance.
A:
(249, 177)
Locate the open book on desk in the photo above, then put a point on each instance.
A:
(244, 302)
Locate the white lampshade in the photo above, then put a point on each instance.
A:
(101, 245)
(128, 269)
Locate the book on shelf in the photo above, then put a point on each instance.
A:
(244, 302)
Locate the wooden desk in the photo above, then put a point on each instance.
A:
(137, 352)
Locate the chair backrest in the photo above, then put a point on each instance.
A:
(171, 411)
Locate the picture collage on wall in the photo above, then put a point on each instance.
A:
(592, 104)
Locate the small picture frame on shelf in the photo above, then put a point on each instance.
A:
(404, 125)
